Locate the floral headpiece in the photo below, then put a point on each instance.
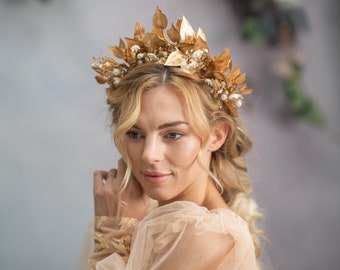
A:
(186, 49)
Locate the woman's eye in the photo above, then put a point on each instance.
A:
(133, 135)
(173, 136)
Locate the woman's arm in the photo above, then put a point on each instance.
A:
(112, 235)
(115, 218)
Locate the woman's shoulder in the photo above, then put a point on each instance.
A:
(193, 210)
(193, 233)
(184, 213)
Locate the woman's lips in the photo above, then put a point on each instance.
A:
(156, 177)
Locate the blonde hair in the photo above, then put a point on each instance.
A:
(228, 167)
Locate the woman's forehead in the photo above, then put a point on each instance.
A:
(163, 102)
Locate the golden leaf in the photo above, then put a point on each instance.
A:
(100, 79)
(247, 92)
(159, 19)
(235, 72)
(173, 34)
(201, 34)
(240, 79)
(139, 31)
(122, 45)
(130, 42)
(243, 88)
(185, 47)
(151, 40)
(159, 33)
(179, 23)
(210, 65)
(186, 31)
(223, 61)
(209, 71)
(221, 65)
(111, 63)
(219, 76)
(116, 51)
(130, 60)
(225, 54)
(200, 44)
(176, 58)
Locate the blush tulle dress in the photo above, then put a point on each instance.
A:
(177, 236)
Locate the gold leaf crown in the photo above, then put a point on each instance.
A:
(186, 49)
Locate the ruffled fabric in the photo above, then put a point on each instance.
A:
(183, 235)
(112, 236)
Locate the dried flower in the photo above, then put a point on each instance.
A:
(115, 71)
(116, 81)
(135, 48)
(224, 97)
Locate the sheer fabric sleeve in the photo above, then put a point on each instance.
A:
(112, 236)
(185, 236)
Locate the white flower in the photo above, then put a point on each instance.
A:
(237, 98)
(135, 48)
(140, 56)
(116, 81)
(224, 97)
(239, 103)
(176, 58)
(152, 57)
(95, 62)
(219, 91)
(115, 71)
(192, 65)
(185, 66)
(208, 82)
(197, 54)
(139, 62)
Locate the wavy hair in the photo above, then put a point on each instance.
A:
(228, 168)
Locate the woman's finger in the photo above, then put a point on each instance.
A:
(112, 173)
(111, 177)
(98, 177)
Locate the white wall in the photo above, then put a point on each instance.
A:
(54, 131)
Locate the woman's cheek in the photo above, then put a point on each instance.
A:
(185, 153)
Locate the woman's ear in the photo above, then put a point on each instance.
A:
(218, 136)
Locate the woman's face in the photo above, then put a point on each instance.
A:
(163, 148)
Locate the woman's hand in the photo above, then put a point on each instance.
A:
(132, 202)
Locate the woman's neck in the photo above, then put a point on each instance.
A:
(213, 198)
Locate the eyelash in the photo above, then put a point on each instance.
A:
(134, 135)
(178, 136)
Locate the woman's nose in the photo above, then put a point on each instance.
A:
(152, 150)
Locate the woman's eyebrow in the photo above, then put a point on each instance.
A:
(172, 124)
(136, 127)
(166, 125)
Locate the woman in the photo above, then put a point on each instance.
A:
(179, 198)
